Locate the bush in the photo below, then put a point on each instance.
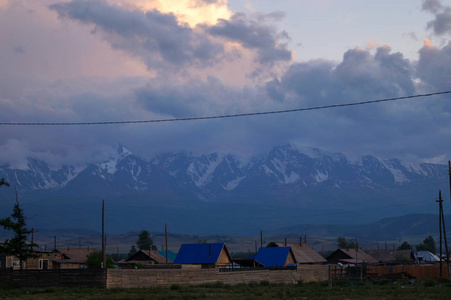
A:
(94, 260)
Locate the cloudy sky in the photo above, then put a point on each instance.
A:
(120, 60)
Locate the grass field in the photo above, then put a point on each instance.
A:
(409, 289)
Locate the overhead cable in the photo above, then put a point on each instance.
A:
(220, 116)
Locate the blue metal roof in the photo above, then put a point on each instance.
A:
(272, 256)
(171, 255)
(199, 253)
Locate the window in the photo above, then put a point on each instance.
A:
(43, 264)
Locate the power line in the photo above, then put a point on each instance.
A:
(221, 116)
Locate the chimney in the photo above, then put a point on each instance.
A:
(285, 242)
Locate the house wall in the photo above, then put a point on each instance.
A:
(290, 259)
(336, 256)
(223, 259)
(147, 278)
(33, 263)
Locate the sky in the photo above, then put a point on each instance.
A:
(123, 60)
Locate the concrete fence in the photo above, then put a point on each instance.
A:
(120, 278)
(149, 277)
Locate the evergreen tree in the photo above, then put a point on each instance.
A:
(132, 251)
(427, 245)
(342, 243)
(18, 244)
(405, 246)
(144, 241)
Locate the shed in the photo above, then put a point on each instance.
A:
(208, 255)
(274, 257)
(355, 255)
(303, 253)
(426, 257)
(392, 256)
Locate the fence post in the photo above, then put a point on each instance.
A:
(330, 277)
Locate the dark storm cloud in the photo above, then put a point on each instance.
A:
(380, 129)
(195, 98)
(442, 23)
(360, 75)
(253, 35)
(152, 36)
(434, 67)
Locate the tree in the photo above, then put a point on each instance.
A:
(95, 259)
(427, 245)
(405, 246)
(18, 244)
(144, 241)
(343, 243)
(132, 251)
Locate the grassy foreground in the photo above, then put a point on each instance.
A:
(409, 289)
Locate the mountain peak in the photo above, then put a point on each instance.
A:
(123, 151)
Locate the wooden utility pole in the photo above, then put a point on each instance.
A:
(103, 236)
(166, 238)
(261, 239)
(32, 238)
(442, 229)
(449, 174)
(440, 209)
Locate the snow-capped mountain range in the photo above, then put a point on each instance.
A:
(276, 187)
(215, 174)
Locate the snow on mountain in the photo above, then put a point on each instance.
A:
(215, 175)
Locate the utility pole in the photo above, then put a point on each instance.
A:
(440, 209)
(103, 236)
(442, 228)
(166, 239)
(261, 239)
(449, 174)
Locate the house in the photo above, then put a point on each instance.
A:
(392, 256)
(42, 261)
(147, 257)
(71, 258)
(350, 256)
(171, 255)
(58, 259)
(274, 257)
(208, 255)
(426, 257)
(303, 253)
